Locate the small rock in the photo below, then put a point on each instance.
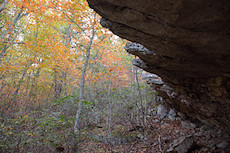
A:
(198, 134)
(161, 111)
(172, 114)
(205, 128)
(181, 145)
(223, 145)
(182, 115)
(211, 146)
(188, 125)
(171, 117)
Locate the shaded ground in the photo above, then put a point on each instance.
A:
(158, 137)
(58, 138)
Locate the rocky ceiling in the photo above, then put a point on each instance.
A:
(187, 44)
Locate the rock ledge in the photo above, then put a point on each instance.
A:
(186, 43)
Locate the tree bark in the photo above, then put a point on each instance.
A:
(82, 83)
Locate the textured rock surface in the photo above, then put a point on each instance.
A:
(188, 45)
(181, 145)
(162, 111)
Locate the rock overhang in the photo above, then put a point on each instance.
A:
(188, 47)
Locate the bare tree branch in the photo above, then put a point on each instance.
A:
(3, 5)
(19, 16)
(7, 42)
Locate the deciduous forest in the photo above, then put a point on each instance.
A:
(66, 83)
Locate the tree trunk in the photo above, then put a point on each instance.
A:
(110, 113)
(82, 83)
(13, 99)
(9, 29)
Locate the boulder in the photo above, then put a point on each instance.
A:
(188, 125)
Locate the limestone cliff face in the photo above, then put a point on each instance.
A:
(188, 45)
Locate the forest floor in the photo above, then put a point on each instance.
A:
(158, 135)
(26, 135)
(44, 130)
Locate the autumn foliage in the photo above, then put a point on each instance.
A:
(43, 45)
(63, 76)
